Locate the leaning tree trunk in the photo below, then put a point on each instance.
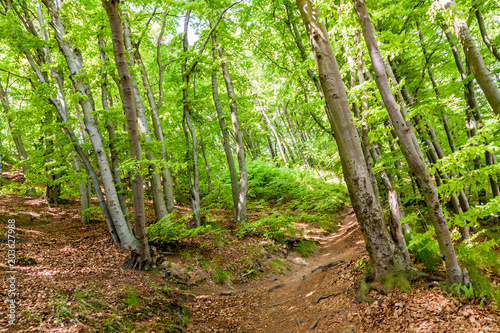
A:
(412, 152)
(225, 135)
(386, 257)
(61, 110)
(474, 58)
(240, 149)
(480, 21)
(86, 101)
(141, 260)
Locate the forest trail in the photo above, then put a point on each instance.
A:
(317, 295)
(70, 279)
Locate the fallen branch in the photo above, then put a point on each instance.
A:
(313, 326)
(319, 298)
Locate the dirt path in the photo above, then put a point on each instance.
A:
(319, 296)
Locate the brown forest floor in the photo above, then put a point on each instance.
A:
(73, 282)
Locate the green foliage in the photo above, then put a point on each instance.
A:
(305, 248)
(300, 189)
(425, 248)
(275, 226)
(129, 297)
(480, 257)
(173, 231)
(221, 276)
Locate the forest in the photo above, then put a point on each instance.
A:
(249, 166)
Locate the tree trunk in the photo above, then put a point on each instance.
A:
(82, 188)
(77, 75)
(143, 261)
(194, 186)
(168, 187)
(240, 149)
(386, 257)
(474, 58)
(225, 135)
(207, 166)
(411, 152)
(156, 184)
(484, 34)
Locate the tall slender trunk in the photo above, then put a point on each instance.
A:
(484, 34)
(82, 188)
(168, 186)
(225, 135)
(473, 116)
(156, 184)
(194, 186)
(111, 132)
(143, 259)
(386, 257)
(77, 75)
(240, 149)
(61, 110)
(207, 166)
(412, 153)
(474, 58)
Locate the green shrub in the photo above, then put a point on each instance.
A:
(305, 248)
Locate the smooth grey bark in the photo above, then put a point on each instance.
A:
(474, 58)
(225, 135)
(240, 149)
(473, 116)
(143, 259)
(77, 73)
(84, 199)
(412, 153)
(386, 257)
(194, 185)
(168, 186)
(61, 110)
(484, 34)
(16, 137)
(207, 166)
(154, 176)
(435, 151)
(111, 131)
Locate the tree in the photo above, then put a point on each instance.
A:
(141, 259)
(386, 257)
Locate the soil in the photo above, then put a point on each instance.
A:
(70, 279)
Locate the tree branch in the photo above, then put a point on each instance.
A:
(19, 76)
(210, 35)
